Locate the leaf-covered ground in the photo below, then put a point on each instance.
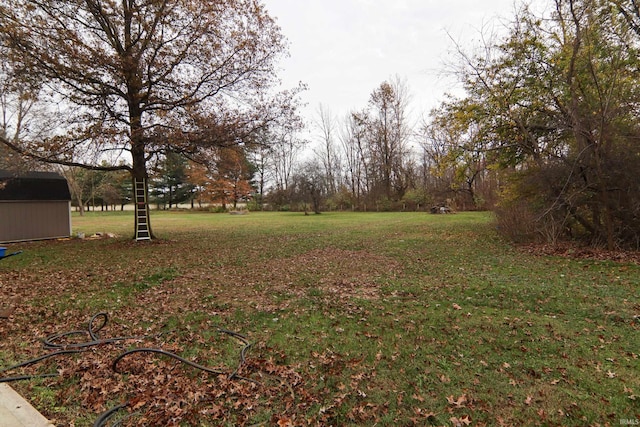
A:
(353, 319)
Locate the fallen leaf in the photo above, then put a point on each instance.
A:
(459, 402)
(631, 394)
(418, 397)
(459, 422)
(456, 306)
(138, 405)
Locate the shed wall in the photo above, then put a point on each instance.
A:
(34, 220)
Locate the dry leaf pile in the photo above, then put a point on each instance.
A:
(150, 384)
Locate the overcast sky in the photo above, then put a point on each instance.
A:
(344, 49)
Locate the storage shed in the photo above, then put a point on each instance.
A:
(34, 206)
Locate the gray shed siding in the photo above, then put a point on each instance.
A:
(34, 220)
(34, 206)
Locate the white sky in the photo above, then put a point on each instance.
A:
(344, 49)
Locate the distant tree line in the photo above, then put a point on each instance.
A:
(375, 159)
(174, 181)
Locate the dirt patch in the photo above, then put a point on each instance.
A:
(341, 273)
(269, 285)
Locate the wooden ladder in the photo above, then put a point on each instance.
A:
(142, 227)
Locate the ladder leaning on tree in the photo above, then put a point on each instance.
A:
(142, 225)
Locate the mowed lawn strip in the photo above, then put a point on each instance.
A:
(354, 319)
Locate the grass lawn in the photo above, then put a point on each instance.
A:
(383, 319)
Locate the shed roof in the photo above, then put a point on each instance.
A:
(33, 186)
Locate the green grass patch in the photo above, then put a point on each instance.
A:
(355, 318)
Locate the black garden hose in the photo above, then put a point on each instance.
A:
(104, 417)
(92, 331)
(114, 365)
(49, 342)
(31, 362)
